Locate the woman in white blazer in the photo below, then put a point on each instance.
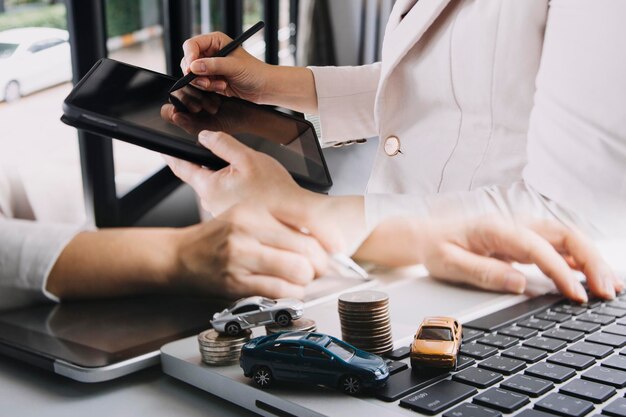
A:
(484, 106)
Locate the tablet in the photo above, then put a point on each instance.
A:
(99, 340)
(134, 105)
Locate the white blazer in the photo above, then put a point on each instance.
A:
(497, 105)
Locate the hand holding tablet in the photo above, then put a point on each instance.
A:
(133, 104)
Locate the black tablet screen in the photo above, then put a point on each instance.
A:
(140, 97)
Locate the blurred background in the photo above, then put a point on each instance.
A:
(36, 72)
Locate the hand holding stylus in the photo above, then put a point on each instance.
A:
(238, 75)
(226, 50)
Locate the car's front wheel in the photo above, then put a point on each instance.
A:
(351, 384)
(263, 376)
(283, 319)
(233, 329)
(12, 92)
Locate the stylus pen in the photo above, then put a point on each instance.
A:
(236, 43)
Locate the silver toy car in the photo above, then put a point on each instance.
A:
(256, 311)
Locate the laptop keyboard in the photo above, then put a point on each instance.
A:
(541, 358)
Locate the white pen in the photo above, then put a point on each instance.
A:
(343, 261)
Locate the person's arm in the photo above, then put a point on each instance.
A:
(27, 253)
(461, 252)
(344, 97)
(114, 262)
(244, 252)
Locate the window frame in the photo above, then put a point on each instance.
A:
(86, 26)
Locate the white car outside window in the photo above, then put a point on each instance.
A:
(32, 59)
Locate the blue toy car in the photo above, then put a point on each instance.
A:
(312, 358)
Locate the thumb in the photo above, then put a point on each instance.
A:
(226, 147)
(480, 271)
(225, 67)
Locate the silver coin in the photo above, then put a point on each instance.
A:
(363, 309)
(221, 357)
(363, 304)
(223, 347)
(366, 333)
(358, 297)
(219, 349)
(364, 317)
(367, 324)
(301, 325)
(234, 354)
(311, 330)
(377, 322)
(211, 349)
(368, 315)
(364, 312)
(214, 337)
(220, 363)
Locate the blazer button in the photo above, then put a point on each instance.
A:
(392, 146)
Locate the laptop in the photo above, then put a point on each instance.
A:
(532, 357)
(99, 340)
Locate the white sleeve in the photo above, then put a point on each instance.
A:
(345, 99)
(518, 201)
(28, 251)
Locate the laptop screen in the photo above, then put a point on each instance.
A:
(96, 333)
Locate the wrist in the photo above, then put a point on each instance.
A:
(290, 87)
(418, 237)
(342, 218)
(167, 261)
(269, 82)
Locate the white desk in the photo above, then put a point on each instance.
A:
(27, 391)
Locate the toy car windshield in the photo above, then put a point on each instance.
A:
(343, 352)
(435, 333)
(267, 302)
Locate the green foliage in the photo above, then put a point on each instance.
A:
(13, 3)
(49, 16)
(252, 13)
(123, 16)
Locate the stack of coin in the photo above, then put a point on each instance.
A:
(219, 349)
(365, 321)
(301, 325)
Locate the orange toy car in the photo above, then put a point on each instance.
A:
(436, 343)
